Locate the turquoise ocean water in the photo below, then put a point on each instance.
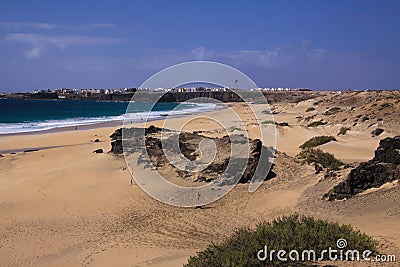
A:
(17, 116)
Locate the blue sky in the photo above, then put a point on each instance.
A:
(101, 44)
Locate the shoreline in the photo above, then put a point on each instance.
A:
(103, 129)
(85, 127)
(106, 124)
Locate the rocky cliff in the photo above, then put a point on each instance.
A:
(383, 168)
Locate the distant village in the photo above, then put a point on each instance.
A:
(125, 94)
(64, 91)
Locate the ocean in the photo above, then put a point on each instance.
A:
(19, 116)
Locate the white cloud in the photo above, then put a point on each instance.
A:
(36, 25)
(276, 58)
(34, 52)
(60, 41)
(39, 42)
(200, 53)
(272, 58)
(98, 25)
(48, 26)
(280, 57)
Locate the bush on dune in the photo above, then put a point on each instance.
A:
(293, 232)
(268, 122)
(316, 123)
(332, 111)
(307, 119)
(317, 141)
(343, 130)
(326, 159)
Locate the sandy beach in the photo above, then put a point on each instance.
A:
(64, 205)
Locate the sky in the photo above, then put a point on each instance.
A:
(317, 44)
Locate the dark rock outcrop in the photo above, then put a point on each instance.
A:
(116, 142)
(117, 135)
(318, 168)
(116, 147)
(377, 131)
(284, 124)
(131, 134)
(388, 151)
(98, 151)
(189, 144)
(31, 150)
(383, 168)
(152, 129)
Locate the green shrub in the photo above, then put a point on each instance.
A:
(317, 103)
(343, 130)
(307, 119)
(317, 141)
(332, 111)
(326, 159)
(293, 232)
(281, 124)
(234, 128)
(268, 122)
(386, 105)
(316, 123)
(310, 109)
